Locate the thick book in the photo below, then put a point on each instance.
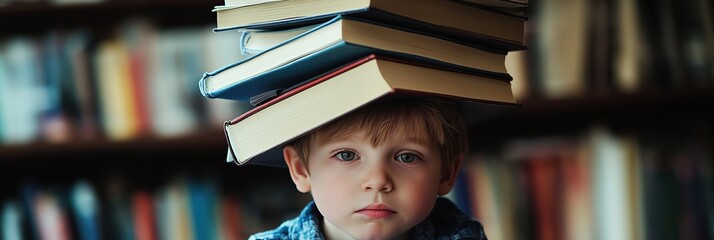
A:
(335, 43)
(85, 208)
(443, 18)
(144, 215)
(258, 135)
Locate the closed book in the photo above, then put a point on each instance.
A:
(323, 99)
(50, 217)
(203, 203)
(117, 100)
(85, 208)
(11, 221)
(447, 18)
(143, 214)
(336, 43)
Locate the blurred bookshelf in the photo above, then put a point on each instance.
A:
(613, 141)
(104, 134)
(614, 136)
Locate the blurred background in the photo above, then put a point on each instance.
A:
(104, 134)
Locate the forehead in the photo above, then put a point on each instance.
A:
(377, 130)
(375, 138)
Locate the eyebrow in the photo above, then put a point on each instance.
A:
(337, 139)
(422, 139)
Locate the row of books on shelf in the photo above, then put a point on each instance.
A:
(304, 55)
(596, 185)
(599, 47)
(140, 80)
(180, 207)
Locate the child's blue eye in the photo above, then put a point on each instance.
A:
(407, 157)
(346, 155)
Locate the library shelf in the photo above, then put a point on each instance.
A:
(638, 113)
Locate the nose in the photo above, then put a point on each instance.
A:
(377, 178)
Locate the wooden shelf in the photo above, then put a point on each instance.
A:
(42, 8)
(641, 113)
(210, 142)
(695, 99)
(146, 159)
(36, 18)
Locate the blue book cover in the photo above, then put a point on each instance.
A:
(11, 220)
(3, 96)
(313, 64)
(85, 207)
(118, 219)
(28, 192)
(202, 195)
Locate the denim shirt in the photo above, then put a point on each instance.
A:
(445, 222)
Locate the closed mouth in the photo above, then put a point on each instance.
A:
(376, 211)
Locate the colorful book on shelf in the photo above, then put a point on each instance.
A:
(321, 100)
(203, 206)
(335, 43)
(119, 117)
(611, 162)
(86, 210)
(144, 215)
(19, 78)
(11, 220)
(230, 218)
(172, 211)
(442, 18)
(487, 193)
(51, 217)
(118, 221)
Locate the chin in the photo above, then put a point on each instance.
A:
(379, 233)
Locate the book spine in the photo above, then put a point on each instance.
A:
(11, 218)
(85, 206)
(143, 215)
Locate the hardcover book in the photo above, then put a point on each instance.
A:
(322, 100)
(335, 43)
(444, 18)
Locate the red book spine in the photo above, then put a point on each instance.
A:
(144, 219)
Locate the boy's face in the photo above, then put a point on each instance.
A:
(371, 192)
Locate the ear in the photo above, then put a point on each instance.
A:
(449, 178)
(298, 170)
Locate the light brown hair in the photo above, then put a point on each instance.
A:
(428, 120)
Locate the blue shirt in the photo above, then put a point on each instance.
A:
(445, 222)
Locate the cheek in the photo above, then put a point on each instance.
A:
(330, 191)
(418, 193)
(326, 187)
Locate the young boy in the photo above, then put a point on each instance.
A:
(378, 172)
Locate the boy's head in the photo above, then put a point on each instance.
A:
(376, 172)
(431, 120)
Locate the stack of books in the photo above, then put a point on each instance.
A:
(313, 61)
